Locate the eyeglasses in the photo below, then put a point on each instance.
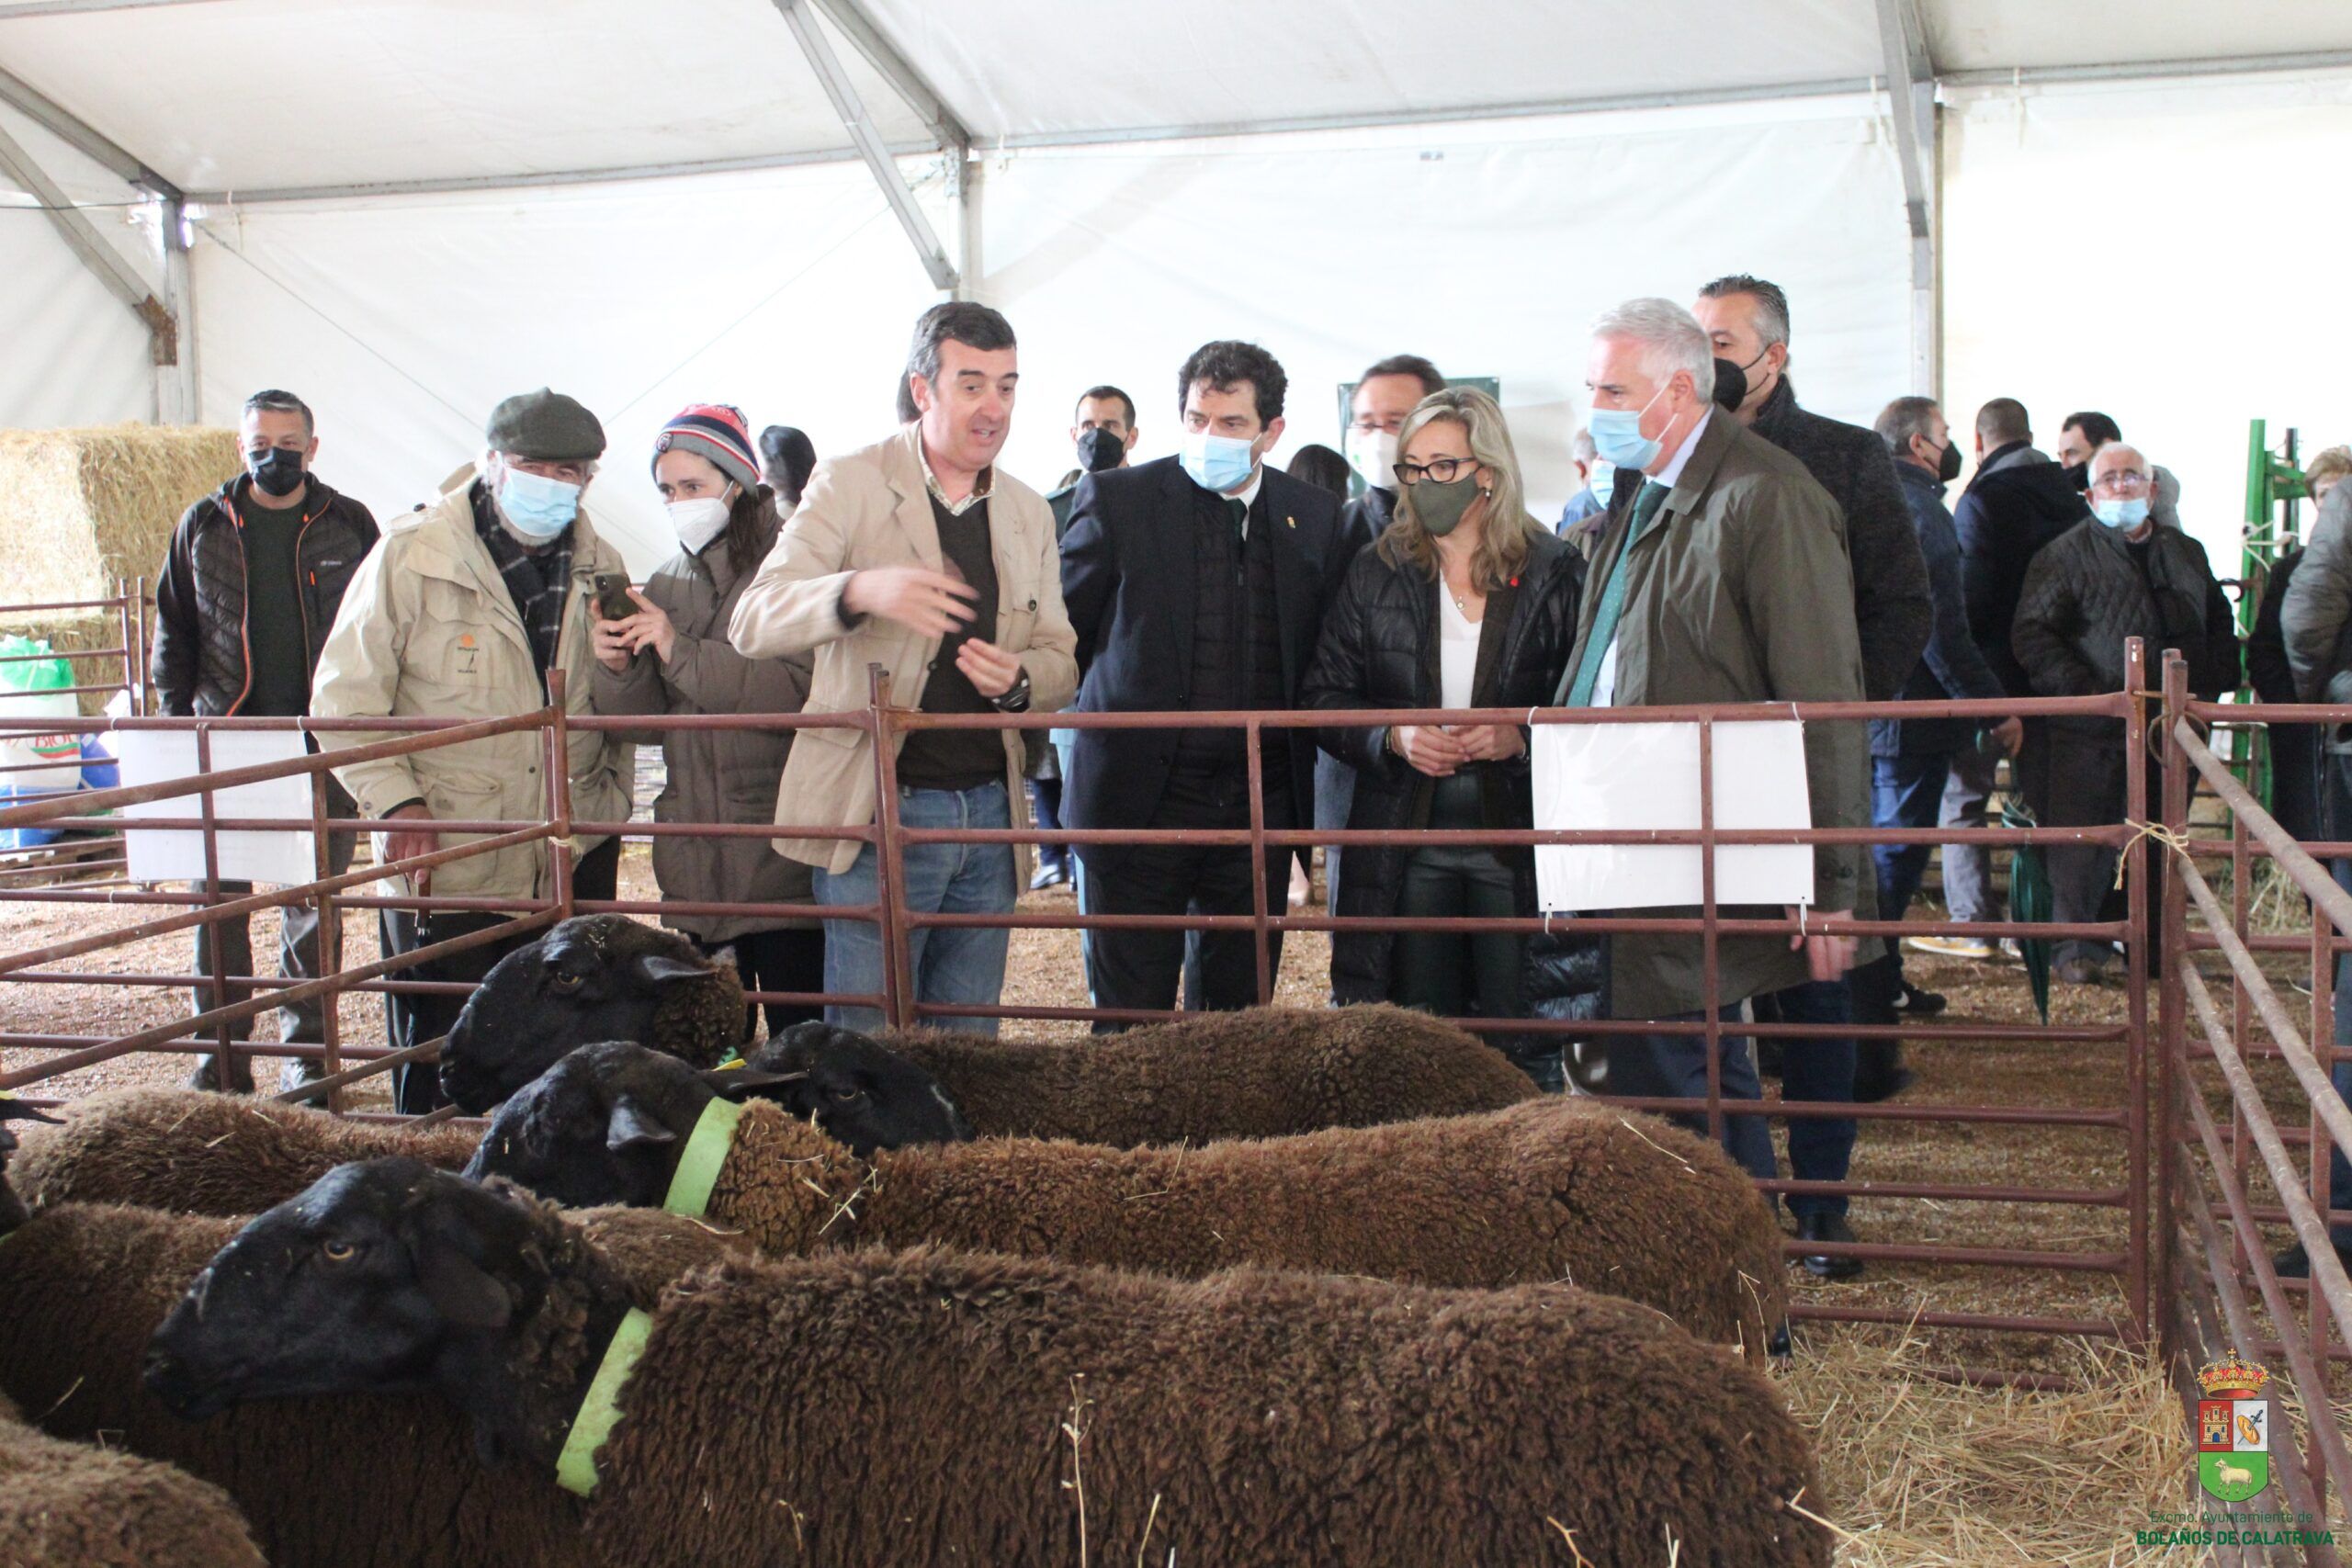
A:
(1443, 471)
(569, 473)
(2120, 478)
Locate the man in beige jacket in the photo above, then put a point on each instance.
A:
(459, 612)
(918, 553)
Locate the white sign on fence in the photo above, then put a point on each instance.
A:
(1625, 776)
(151, 756)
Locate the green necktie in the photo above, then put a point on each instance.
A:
(1612, 598)
(1240, 510)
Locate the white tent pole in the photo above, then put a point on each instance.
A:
(868, 141)
(16, 8)
(78, 134)
(1911, 103)
(946, 130)
(175, 383)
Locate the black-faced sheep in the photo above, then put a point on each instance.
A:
(79, 1505)
(1260, 1072)
(375, 1481)
(208, 1154)
(12, 1208)
(1553, 1189)
(926, 1408)
(592, 978)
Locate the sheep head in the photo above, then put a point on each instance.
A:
(594, 977)
(859, 1091)
(605, 1125)
(12, 1208)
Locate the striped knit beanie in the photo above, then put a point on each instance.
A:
(717, 432)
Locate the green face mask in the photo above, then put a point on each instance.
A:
(1439, 507)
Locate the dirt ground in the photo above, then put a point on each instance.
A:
(1921, 1470)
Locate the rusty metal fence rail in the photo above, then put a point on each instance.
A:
(2213, 1161)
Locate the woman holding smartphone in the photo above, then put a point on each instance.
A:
(669, 655)
(1464, 602)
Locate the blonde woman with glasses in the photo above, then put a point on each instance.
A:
(1464, 602)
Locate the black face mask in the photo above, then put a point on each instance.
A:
(1948, 466)
(277, 471)
(2079, 474)
(1100, 448)
(1731, 386)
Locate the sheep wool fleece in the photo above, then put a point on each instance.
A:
(1257, 1073)
(81, 1505)
(207, 1153)
(1552, 1189)
(356, 1482)
(897, 1410)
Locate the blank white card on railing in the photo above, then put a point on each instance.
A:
(163, 854)
(1646, 776)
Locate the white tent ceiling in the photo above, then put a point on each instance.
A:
(254, 97)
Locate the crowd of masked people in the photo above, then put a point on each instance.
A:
(1728, 545)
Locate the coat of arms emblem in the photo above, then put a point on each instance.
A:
(2233, 1430)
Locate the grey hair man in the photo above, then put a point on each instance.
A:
(2111, 578)
(1724, 520)
(1581, 518)
(2087, 431)
(252, 579)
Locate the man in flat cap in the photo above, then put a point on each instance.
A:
(459, 612)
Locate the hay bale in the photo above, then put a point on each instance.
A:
(81, 508)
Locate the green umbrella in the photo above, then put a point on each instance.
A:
(2029, 901)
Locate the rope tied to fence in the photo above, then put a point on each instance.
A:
(2156, 833)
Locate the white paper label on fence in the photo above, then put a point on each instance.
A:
(1626, 777)
(151, 756)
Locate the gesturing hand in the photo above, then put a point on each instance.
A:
(930, 604)
(1428, 749)
(990, 670)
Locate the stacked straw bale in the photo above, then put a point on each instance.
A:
(81, 508)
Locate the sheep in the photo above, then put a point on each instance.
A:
(1257, 1073)
(1555, 1189)
(208, 1154)
(12, 1207)
(1262, 1072)
(592, 978)
(81, 1505)
(925, 1408)
(2230, 1474)
(388, 1482)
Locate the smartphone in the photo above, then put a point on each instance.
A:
(613, 602)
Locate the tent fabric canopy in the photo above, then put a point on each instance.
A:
(254, 96)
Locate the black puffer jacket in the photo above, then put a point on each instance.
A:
(2018, 501)
(200, 659)
(2088, 592)
(1379, 649)
(1892, 612)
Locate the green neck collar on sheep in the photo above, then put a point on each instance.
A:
(707, 1149)
(575, 1467)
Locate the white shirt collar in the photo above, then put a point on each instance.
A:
(1672, 472)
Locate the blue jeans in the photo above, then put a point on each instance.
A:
(1675, 1066)
(1906, 792)
(1820, 1148)
(949, 964)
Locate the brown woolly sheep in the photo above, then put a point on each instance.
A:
(207, 1153)
(1260, 1073)
(389, 1481)
(1552, 1189)
(1257, 1073)
(925, 1408)
(78, 1506)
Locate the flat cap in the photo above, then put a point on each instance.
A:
(545, 426)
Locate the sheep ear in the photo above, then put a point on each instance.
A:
(465, 1293)
(633, 1126)
(658, 970)
(742, 1083)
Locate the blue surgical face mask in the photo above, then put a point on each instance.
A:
(2118, 513)
(1601, 479)
(1216, 462)
(1617, 434)
(535, 506)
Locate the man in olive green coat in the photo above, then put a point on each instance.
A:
(1733, 587)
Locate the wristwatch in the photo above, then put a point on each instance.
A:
(1016, 697)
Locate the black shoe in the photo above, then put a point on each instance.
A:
(208, 1075)
(1050, 874)
(1917, 1003)
(1827, 1227)
(2296, 1264)
(1778, 1346)
(1871, 1088)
